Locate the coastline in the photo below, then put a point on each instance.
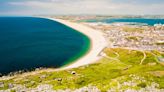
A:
(98, 43)
(115, 64)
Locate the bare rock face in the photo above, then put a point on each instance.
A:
(58, 79)
(87, 89)
(44, 88)
(10, 85)
(43, 77)
(2, 84)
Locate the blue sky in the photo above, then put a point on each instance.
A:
(59, 7)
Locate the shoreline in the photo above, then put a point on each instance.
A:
(97, 44)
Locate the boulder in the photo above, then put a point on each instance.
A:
(2, 84)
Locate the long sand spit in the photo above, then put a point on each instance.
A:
(98, 43)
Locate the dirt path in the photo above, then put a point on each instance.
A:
(157, 60)
(115, 58)
(118, 55)
(144, 54)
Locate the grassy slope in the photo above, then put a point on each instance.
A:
(104, 74)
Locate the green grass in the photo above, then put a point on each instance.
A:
(130, 57)
(101, 74)
(110, 52)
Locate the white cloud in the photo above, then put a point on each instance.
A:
(87, 7)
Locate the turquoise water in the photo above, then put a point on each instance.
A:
(27, 43)
(149, 22)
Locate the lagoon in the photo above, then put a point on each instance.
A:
(133, 21)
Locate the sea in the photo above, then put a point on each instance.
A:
(27, 43)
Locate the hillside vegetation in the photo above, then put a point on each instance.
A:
(119, 69)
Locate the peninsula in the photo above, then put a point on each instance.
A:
(122, 57)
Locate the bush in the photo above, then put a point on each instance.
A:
(142, 85)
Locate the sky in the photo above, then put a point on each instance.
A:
(81, 7)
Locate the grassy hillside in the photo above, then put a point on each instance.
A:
(119, 69)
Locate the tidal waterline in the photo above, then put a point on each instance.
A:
(27, 43)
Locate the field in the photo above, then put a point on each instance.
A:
(119, 69)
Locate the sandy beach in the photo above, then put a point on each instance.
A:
(98, 43)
